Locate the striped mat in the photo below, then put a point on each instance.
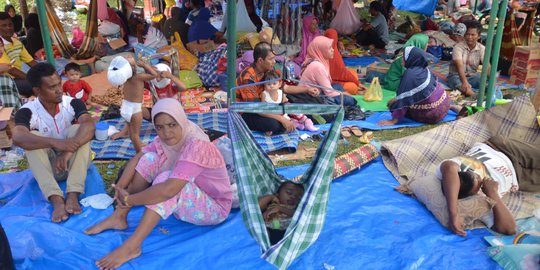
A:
(123, 148)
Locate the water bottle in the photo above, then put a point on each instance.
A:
(497, 94)
(290, 70)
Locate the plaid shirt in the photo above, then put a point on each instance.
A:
(9, 94)
(250, 93)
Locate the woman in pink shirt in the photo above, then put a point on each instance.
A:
(315, 70)
(181, 172)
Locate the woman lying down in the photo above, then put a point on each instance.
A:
(494, 168)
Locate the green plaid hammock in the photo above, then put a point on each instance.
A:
(256, 176)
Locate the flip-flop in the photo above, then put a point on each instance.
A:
(366, 137)
(356, 131)
(345, 132)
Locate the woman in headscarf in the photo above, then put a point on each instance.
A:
(316, 70)
(15, 18)
(199, 22)
(34, 41)
(338, 72)
(175, 24)
(419, 96)
(396, 70)
(181, 172)
(310, 30)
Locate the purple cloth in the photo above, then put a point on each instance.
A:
(439, 110)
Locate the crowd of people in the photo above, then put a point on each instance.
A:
(181, 172)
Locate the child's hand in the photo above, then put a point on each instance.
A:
(140, 62)
(165, 74)
(270, 212)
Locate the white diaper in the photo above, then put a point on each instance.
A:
(129, 108)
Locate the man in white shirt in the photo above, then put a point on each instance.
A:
(496, 167)
(55, 131)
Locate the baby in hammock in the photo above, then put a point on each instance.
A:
(278, 209)
(272, 94)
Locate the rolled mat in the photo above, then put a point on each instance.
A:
(354, 159)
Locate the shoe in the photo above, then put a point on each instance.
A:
(298, 125)
(309, 125)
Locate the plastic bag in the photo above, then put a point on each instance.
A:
(97, 201)
(374, 92)
(224, 145)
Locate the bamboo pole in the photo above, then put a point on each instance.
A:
(231, 50)
(496, 54)
(47, 44)
(487, 54)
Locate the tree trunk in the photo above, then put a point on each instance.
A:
(24, 8)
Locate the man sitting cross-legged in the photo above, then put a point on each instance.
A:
(55, 131)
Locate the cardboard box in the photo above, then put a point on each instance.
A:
(531, 64)
(526, 82)
(527, 53)
(524, 74)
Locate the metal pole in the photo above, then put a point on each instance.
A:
(475, 6)
(496, 51)
(47, 44)
(231, 50)
(487, 54)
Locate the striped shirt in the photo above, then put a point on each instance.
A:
(470, 58)
(15, 51)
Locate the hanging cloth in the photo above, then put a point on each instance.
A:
(58, 35)
(346, 21)
(257, 176)
(90, 43)
(102, 10)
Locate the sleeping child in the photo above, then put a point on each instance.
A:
(272, 94)
(278, 209)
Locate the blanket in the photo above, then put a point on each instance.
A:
(417, 155)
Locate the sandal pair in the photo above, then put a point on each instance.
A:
(347, 132)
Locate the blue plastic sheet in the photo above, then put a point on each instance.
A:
(368, 226)
(426, 7)
(359, 61)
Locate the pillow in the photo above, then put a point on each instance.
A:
(428, 190)
(190, 78)
(514, 257)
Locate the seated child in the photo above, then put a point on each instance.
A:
(166, 84)
(272, 94)
(122, 71)
(278, 209)
(76, 87)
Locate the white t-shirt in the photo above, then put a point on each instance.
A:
(486, 161)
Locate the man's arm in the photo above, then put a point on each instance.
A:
(465, 86)
(17, 73)
(297, 89)
(450, 183)
(86, 130)
(503, 220)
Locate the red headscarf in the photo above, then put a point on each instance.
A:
(338, 71)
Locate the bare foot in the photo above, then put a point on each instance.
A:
(119, 135)
(119, 256)
(113, 222)
(268, 133)
(59, 213)
(72, 203)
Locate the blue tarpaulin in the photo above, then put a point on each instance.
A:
(426, 7)
(368, 226)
